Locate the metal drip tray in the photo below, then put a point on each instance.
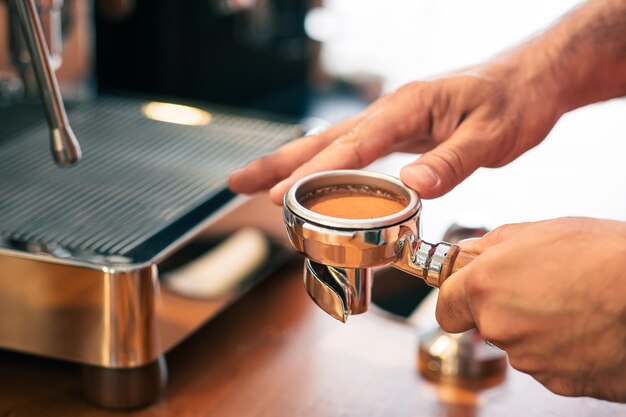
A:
(141, 186)
(80, 247)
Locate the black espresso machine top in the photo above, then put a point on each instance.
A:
(141, 186)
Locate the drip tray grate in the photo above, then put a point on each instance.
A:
(140, 185)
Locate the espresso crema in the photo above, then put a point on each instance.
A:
(353, 203)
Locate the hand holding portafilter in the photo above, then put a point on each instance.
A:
(346, 222)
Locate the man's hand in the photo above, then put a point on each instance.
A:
(552, 294)
(465, 121)
(482, 117)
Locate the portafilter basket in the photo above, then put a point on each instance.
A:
(340, 252)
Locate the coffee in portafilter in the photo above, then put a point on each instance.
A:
(353, 202)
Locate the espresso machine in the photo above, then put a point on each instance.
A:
(88, 230)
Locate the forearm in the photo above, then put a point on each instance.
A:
(579, 61)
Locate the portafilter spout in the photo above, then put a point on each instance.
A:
(64, 146)
(340, 251)
(340, 292)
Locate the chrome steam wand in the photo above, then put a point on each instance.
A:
(64, 146)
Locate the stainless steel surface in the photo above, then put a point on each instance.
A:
(340, 292)
(425, 260)
(460, 359)
(108, 317)
(78, 271)
(342, 245)
(352, 178)
(142, 185)
(103, 317)
(64, 146)
(125, 388)
(49, 12)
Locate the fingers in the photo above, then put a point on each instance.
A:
(460, 295)
(444, 167)
(355, 149)
(266, 171)
(455, 304)
(376, 135)
(453, 310)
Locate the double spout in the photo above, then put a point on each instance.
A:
(340, 253)
(340, 292)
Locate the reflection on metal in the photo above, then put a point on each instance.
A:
(126, 388)
(350, 247)
(340, 292)
(462, 359)
(116, 316)
(105, 317)
(176, 113)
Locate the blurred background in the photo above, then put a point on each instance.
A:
(577, 171)
(287, 56)
(317, 62)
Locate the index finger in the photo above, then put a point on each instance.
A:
(374, 136)
(266, 171)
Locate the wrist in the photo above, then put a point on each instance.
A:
(531, 84)
(579, 61)
(582, 56)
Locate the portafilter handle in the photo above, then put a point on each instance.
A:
(65, 147)
(434, 263)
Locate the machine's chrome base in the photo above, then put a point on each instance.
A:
(463, 360)
(118, 324)
(124, 388)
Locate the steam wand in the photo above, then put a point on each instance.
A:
(64, 146)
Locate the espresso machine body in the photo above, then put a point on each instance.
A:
(82, 247)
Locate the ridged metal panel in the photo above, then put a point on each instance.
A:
(137, 176)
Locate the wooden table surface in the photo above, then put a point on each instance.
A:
(274, 353)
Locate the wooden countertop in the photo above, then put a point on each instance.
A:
(274, 353)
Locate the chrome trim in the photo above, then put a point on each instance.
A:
(352, 178)
(105, 318)
(115, 316)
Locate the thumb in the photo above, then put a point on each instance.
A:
(440, 170)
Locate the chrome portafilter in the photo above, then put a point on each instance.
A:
(346, 222)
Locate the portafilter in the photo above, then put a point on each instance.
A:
(346, 222)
